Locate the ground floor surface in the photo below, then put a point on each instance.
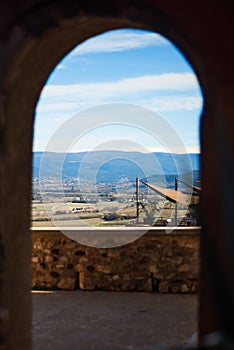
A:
(112, 320)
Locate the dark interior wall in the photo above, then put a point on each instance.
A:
(34, 36)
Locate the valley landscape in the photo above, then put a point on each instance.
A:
(99, 188)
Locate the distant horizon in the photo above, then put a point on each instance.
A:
(114, 150)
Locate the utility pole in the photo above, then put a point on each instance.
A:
(137, 199)
(176, 188)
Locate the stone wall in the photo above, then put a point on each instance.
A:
(35, 35)
(158, 261)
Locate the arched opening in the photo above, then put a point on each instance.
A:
(163, 83)
(42, 37)
(125, 70)
(31, 94)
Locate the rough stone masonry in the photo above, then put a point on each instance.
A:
(158, 261)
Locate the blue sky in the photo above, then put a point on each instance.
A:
(121, 66)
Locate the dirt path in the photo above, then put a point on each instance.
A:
(112, 320)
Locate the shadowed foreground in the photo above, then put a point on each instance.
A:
(112, 320)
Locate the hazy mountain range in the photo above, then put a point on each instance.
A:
(113, 166)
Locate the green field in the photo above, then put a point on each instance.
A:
(100, 214)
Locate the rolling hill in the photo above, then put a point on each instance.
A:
(113, 166)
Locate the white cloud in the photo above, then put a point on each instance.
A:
(179, 93)
(60, 66)
(56, 106)
(173, 103)
(162, 82)
(158, 104)
(120, 40)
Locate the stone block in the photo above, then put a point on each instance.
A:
(128, 286)
(106, 269)
(147, 287)
(67, 283)
(49, 259)
(184, 288)
(63, 259)
(184, 268)
(126, 277)
(175, 289)
(60, 266)
(79, 268)
(86, 283)
(163, 287)
(115, 278)
(35, 259)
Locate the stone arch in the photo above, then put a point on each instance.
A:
(36, 38)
